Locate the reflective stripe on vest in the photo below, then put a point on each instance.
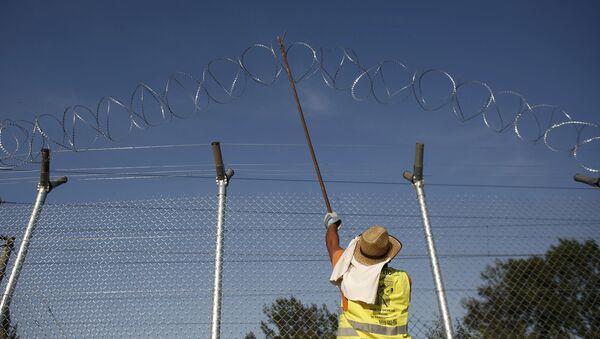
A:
(346, 332)
(378, 329)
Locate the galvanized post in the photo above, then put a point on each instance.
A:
(223, 178)
(416, 178)
(44, 187)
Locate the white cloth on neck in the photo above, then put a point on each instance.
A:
(356, 281)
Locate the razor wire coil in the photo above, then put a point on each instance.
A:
(225, 79)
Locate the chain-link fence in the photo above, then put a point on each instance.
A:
(145, 268)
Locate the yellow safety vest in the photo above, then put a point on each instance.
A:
(388, 318)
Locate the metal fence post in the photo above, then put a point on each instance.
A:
(44, 187)
(416, 178)
(222, 182)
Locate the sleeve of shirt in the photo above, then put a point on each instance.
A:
(336, 257)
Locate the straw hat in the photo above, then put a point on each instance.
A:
(375, 245)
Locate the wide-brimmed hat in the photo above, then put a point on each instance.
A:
(375, 245)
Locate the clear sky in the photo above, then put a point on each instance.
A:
(74, 53)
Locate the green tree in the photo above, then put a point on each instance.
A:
(435, 330)
(554, 296)
(7, 329)
(289, 318)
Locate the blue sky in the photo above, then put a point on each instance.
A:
(75, 53)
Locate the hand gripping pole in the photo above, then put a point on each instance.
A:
(416, 178)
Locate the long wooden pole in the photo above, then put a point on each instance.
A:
(301, 113)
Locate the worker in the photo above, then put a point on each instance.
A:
(375, 297)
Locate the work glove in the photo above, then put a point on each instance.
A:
(332, 218)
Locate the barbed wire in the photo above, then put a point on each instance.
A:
(225, 79)
(96, 176)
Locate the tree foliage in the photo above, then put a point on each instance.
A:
(7, 329)
(554, 296)
(289, 318)
(435, 330)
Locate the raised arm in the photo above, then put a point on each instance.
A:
(332, 239)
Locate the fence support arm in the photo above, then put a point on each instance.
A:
(44, 187)
(594, 182)
(223, 177)
(416, 178)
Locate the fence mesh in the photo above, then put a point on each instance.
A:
(145, 268)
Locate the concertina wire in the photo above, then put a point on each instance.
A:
(339, 69)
